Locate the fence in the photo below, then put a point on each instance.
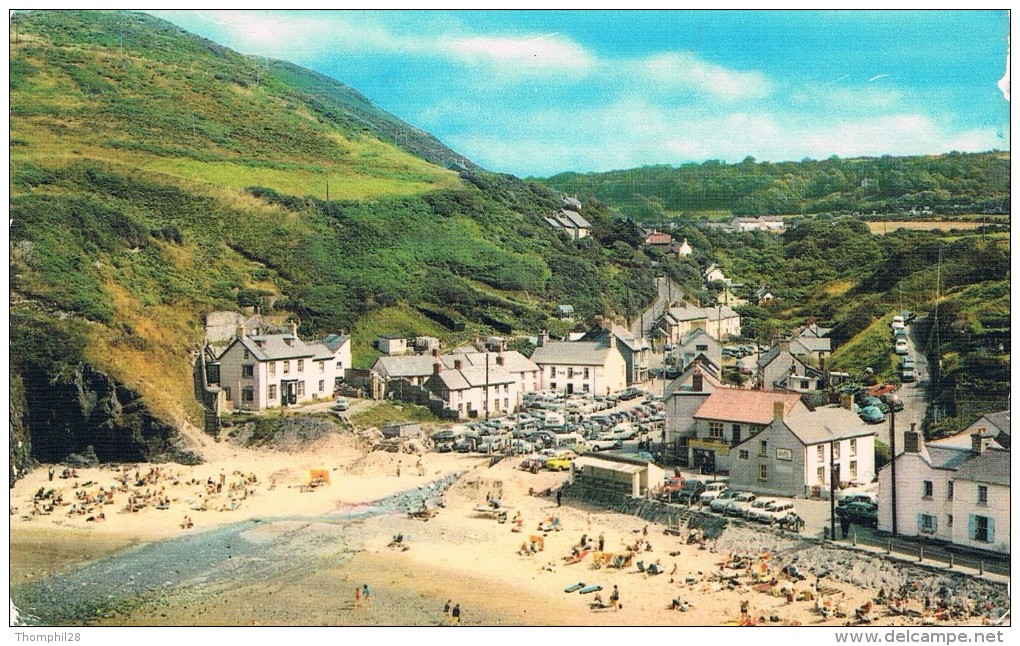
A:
(938, 553)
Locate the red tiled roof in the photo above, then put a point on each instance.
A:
(659, 238)
(748, 406)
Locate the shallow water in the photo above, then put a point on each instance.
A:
(234, 554)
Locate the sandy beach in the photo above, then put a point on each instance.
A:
(292, 558)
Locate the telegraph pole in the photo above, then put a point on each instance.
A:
(892, 464)
(486, 386)
(832, 490)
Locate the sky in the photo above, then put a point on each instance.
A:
(536, 93)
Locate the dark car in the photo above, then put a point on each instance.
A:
(859, 513)
(690, 492)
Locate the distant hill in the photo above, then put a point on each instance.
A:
(950, 183)
(157, 176)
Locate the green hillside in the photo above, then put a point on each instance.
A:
(954, 183)
(157, 176)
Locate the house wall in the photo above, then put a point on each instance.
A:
(783, 477)
(911, 473)
(778, 368)
(392, 346)
(231, 371)
(723, 328)
(965, 505)
(687, 353)
(601, 380)
(846, 457)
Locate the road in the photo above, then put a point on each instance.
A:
(915, 394)
(666, 289)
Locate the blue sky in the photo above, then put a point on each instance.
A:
(536, 92)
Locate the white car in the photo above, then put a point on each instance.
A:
(759, 507)
(721, 501)
(740, 503)
(902, 347)
(341, 404)
(777, 512)
(712, 491)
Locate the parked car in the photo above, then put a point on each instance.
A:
(871, 415)
(720, 502)
(624, 431)
(779, 512)
(907, 363)
(604, 445)
(893, 402)
(712, 491)
(901, 346)
(758, 507)
(843, 499)
(739, 504)
(341, 404)
(690, 491)
(908, 375)
(898, 322)
(881, 389)
(558, 463)
(861, 513)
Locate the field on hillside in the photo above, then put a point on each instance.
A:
(881, 228)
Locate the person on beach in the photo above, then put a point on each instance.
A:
(446, 608)
(398, 469)
(51, 472)
(602, 541)
(456, 614)
(357, 597)
(614, 598)
(559, 497)
(366, 594)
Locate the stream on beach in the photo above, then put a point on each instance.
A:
(191, 565)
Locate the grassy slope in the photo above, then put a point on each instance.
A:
(134, 147)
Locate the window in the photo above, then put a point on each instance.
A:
(300, 388)
(763, 448)
(227, 394)
(587, 371)
(248, 395)
(339, 365)
(926, 523)
(570, 373)
(272, 368)
(286, 367)
(982, 495)
(784, 454)
(460, 408)
(835, 450)
(248, 371)
(820, 475)
(701, 348)
(744, 454)
(949, 520)
(300, 365)
(928, 489)
(322, 366)
(506, 404)
(853, 469)
(949, 490)
(853, 447)
(552, 372)
(586, 388)
(272, 391)
(763, 472)
(821, 453)
(322, 385)
(553, 385)
(246, 354)
(982, 528)
(715, 429)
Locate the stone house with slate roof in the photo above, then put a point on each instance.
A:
(474, 390)
(595, 367)
(270, 370)
(954, 489)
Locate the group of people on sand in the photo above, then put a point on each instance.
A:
(452, 612)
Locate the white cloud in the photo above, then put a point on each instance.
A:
(549, 51)
(679, 71)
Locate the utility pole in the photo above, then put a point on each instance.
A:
(832, 488)
(486, 386)
(892, 464)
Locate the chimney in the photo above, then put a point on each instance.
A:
(846, 401)
(978, 441)
(293, 329)
(821, 363)
(698, 381)
(437, 367)
(499, 360)
(784, 345)
(612, 339)
(240, 332)
(543, 338)
(456, 364)
(778, 410)
(912, 440)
